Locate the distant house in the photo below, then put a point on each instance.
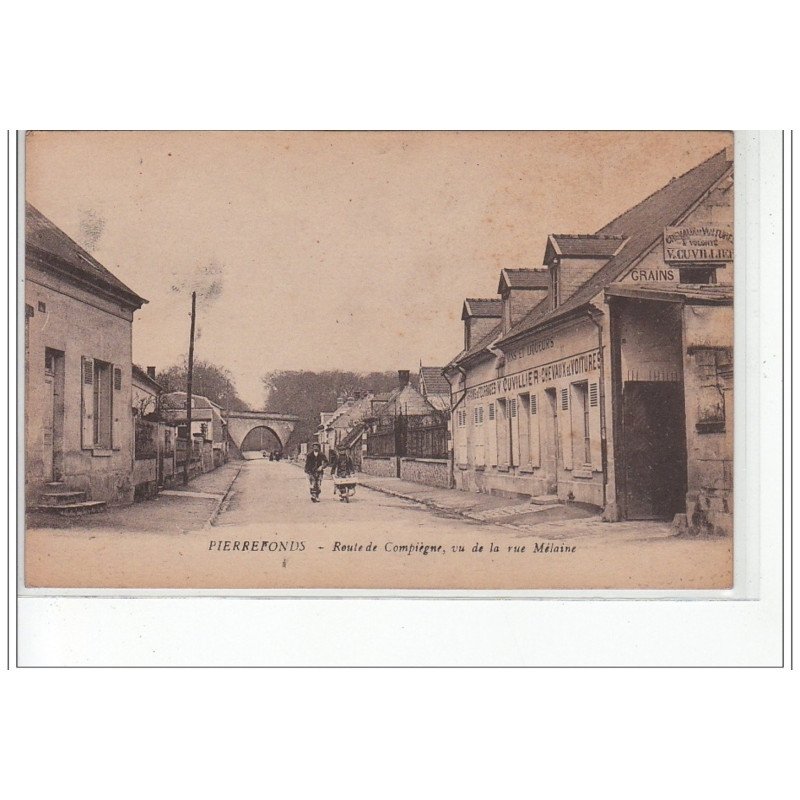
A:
(434, 387)
(406, 437)
(336, 425)
(208, 434)
(78, 383)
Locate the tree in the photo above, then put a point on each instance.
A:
(307, 394)
(208, 380)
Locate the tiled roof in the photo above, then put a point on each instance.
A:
(482, 307)
(56, 249)
(577, 245)
(405, 400)
(435, 382)
(525, 278)
(643, 225)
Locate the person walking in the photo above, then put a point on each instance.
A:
(315, 469)
(343, 482)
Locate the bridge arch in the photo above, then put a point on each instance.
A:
(242, 423)
(261, 439)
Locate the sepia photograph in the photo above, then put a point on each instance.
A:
(378, 360)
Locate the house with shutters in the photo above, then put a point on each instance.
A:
(605, 377)
(78, 389)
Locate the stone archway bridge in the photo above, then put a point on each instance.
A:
(240, 423)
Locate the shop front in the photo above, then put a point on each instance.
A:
(533, 427)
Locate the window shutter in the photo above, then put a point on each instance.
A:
(117, 408)
(565, 429)
(535, 439)
(490, 437)
(87, 402)
(595, 444)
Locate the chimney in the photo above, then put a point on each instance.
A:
(403, 377)
(151, 372)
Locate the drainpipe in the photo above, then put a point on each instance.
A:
(593, 316)
(452, 476)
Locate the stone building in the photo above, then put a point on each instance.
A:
(78, 333)
(609, 381)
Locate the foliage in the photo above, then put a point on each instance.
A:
(208, 380)
(307, 394)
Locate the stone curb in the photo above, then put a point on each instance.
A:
(223, 500)
(432, 504)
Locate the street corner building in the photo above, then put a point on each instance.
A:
(605, 377)
(78, 381)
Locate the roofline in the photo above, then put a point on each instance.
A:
(140, 374)
(546, 323)
(679, 297)
(554, 315)
(50, 261)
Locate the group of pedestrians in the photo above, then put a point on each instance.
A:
(341, 466)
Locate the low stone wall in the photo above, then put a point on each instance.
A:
(380, 467)
(430, 471)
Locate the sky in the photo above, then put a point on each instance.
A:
(333, 250)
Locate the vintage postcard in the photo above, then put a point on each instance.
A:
(378, 360)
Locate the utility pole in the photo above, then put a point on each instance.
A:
(190, 445)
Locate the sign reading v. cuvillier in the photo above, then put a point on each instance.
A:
(689, 244)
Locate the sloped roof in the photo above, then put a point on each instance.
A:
(55, 249)
(524, 279)
(482, 307)
(643, 225)
(141, 375)
(350, 413)
(573, 245)
(706, 293)
(435, 382)
(352, 437)
(480, 346)
(180, 398)
(406, 400)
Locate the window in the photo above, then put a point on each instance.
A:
(512, 405)
(491, 412)
(478, 415)
(102, 404)
(461, 418)
(581, 423)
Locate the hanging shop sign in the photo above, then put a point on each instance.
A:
(698, 244)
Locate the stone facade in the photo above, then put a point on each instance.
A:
(69, 330)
